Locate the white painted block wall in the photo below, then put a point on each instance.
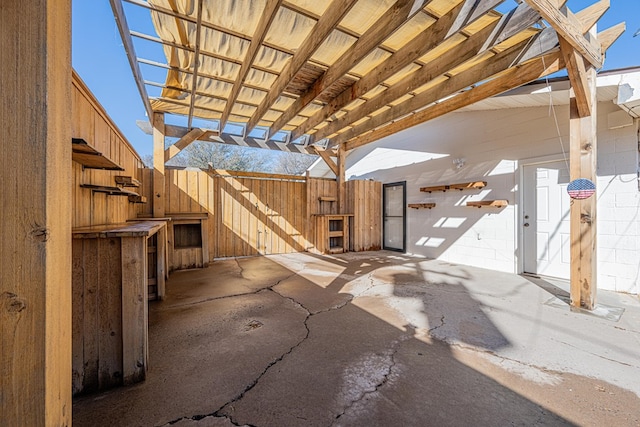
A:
(494, 144)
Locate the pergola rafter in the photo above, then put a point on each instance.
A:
(399, 13)
(391, 64)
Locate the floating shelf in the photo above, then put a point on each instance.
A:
(489, 204)
(421, 205)
(91, 158)
(473, 185)
(127, 181)
(327, 199)
(137, 199)
(111, 191)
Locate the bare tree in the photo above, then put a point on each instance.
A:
(231, 157)
(294, 163)
(147, 159)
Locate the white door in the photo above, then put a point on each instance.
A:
(546, 219)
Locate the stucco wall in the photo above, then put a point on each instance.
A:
(495, 144)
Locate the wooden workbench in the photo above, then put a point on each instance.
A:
(111, 273)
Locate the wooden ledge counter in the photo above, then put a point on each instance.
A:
(116, 268)
(129, 229)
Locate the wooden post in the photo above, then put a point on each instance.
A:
(161, 248)
(35, 219)
(583, 131)
(340, 178)
(158, 165)
(135, 341)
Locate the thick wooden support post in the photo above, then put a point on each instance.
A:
(135, 344)
(158, 165)
(35, 219)
(583, 212)
(340, 178)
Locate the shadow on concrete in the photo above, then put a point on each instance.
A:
(304, 340)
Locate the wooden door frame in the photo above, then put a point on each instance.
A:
(404, 215)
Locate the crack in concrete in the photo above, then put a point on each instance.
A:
(384, 380)
(365, 393)
(239, 266)
(202, 417)
(218, 413)
(442, 323)
(255, 292)
(274, 362)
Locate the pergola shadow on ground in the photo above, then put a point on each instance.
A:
(372, 338)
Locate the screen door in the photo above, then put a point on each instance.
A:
(394, 196)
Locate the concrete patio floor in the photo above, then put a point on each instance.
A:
(376, 339)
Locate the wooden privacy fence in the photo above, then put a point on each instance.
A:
(260, 214)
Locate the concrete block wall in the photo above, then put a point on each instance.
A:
(618, 208)
(495, 144)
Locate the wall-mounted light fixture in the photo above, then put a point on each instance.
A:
(459, 162)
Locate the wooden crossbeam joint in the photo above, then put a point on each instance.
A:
(326, 156)
(577, 71)
(182, 143)
(568, 27)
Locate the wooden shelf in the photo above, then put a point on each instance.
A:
(127, 181)
(489, 204)
(111, 191)
(332, 233)
(137, 199)
(473, 185)
(91, 158)
(421, 205)
(327, 199)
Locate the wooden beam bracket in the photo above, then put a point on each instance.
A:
(328, 160)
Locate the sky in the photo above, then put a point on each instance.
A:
(99, 57)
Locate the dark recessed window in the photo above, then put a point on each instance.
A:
(187, 236)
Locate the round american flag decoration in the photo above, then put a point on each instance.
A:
(581, 189)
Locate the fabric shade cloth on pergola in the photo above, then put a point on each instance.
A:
(353, 71)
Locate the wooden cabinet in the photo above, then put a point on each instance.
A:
(332, 233)
(109, 305)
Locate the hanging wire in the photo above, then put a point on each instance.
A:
(552, 111)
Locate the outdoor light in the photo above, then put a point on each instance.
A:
(459, 162)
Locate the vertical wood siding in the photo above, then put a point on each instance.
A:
(247, 215)
(91, 123)
(364, 200)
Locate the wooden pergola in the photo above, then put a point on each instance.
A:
(356, 71)
(298, 75)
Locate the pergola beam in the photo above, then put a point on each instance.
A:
(417, 47)
(196, 64)
(578, 77)
(479, 72)
(514, 77)
(569, 28)
(125, 34)
(589, 16)
(270, 10)
(474, 46)
(323, 28)
(385, 26)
